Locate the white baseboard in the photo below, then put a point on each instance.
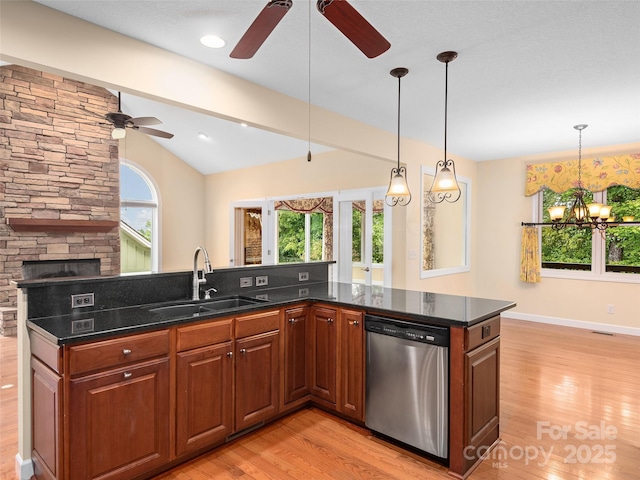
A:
(24, 468)
(565, 322)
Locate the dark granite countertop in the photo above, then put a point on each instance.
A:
(421, 307)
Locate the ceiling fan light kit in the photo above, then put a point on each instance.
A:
(339, 12)
(122, 121)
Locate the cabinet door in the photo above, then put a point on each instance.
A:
(351, 367)
(204, 409)
(482, 396)
(296, 354)
(46, 389)
(323, 351)
(257, 379)
(119, 421)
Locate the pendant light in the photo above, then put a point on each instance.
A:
(398, 192)
(445, 184)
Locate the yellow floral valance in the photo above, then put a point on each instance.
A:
(597, 174)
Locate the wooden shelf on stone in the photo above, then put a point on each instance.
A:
(60, 226)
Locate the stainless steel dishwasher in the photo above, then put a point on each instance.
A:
(407, 383)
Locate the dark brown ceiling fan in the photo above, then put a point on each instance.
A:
(339, 12)
(121, 121)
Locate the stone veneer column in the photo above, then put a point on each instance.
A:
(57, 161)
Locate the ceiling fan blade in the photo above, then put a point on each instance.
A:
(143, 121)
(261, 28)
(354, 26)
(152, 131)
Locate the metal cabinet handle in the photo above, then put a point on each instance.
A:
(126, 351)
(356, 323)
(365, 269)
(243, 351)
(230, 354)
(329, 320)
(292, 321)
(127, 374)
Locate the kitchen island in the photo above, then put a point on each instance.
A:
(202, 379)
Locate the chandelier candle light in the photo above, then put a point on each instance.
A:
(398, 192)
(445, 185)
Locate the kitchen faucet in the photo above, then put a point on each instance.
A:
(197, 280)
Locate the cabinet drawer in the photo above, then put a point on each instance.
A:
(118, 351)
(259, 323)
(481, 333)
(194, 336)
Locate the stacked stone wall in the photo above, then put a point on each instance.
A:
(57, 162)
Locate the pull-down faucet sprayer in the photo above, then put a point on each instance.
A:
(197, 280)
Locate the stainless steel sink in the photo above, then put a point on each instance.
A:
(194, 309)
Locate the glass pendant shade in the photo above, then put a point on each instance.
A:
(557, 212)
(445, 185)
(398, 192)
(118, 133)
(605, 212)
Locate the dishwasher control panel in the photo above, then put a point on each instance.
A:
(409, 331)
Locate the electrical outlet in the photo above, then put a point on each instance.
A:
(246, 282)
(262, 281)
(303, 292)
(611, 308)
(263, 296)
(82, 300)
(303, 276)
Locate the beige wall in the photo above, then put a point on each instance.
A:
(181, 198)
(501, 187)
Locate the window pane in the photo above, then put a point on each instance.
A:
(623, 243)
(317, 238)
(133, 186)
(569, 248)
(357, 228)
(378, 238)
(291, 231)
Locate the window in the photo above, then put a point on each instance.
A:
(138, 221)
(300, 236)
(615, 251)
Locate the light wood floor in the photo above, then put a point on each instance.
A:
(551, 378)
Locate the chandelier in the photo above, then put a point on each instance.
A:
(581, 214)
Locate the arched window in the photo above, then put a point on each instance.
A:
(139, 237)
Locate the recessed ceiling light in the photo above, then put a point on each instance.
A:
(243, 124)
(203, 136)
(212, 41)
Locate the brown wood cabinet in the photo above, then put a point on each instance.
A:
(474, 394)
(46, 391)
(324, 335)
(351, 368)
(257, 375)
(127, 406)
(296, 354)
(118, 413)
(204, 385)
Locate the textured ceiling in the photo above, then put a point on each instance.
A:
(527, 71)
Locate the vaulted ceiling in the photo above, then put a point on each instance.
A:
(527, 71)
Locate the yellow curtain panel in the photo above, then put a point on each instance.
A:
(597, 174)
(529, 256)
